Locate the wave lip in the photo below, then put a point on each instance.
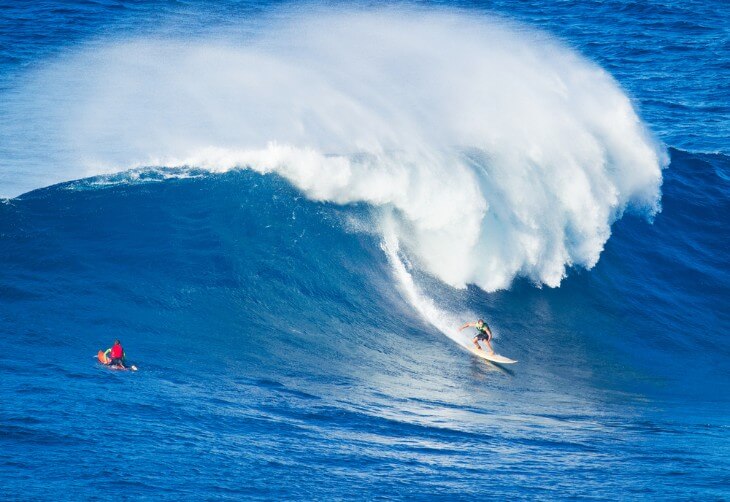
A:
(499, 151)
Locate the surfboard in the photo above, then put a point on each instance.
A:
(495, 358)
(105, 361)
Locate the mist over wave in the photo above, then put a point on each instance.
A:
(498, 151)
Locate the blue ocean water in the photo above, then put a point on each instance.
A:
(286, 351)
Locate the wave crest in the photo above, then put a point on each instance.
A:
(501, 152)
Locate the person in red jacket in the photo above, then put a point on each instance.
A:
(115, 355)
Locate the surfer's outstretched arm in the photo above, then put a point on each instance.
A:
(467, 325)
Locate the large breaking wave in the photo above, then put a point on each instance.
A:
(493, 152)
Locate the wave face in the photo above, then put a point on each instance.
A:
(273, 215)
(494, 152)
(275, 338)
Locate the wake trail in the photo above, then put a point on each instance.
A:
(446, 322)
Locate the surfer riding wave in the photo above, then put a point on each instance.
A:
(483, 333)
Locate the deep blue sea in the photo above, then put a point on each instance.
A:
(285, 211)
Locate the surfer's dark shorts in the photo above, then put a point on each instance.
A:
(117, 361)
(482, 336)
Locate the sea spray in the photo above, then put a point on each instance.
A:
(446, 322)
(501, 152)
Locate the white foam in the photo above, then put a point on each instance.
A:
(500, 152)
(443, 320)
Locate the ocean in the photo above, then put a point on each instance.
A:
(285, 212)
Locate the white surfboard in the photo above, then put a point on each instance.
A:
(495, 358)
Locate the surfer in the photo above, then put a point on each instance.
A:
(115, 355)
(483, 333)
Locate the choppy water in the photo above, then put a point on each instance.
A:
(294, 326)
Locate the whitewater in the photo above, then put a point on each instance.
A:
(500, 152)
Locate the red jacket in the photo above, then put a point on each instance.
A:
(117, 352)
